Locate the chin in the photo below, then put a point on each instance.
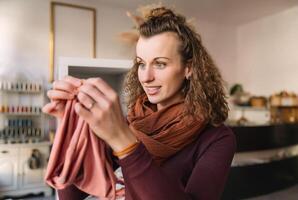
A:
(154, 100)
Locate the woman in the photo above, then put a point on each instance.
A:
(173, 144)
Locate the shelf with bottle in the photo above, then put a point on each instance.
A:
(250, 108)
(23, 110)
(284, 106)
(19, 122)
(20, 135)
(21, 119)
(20, 87)
(284, 114)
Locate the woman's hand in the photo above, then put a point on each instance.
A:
(99, 106)
(62, 91)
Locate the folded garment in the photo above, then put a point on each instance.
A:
(78, 157)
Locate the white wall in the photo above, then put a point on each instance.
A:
(267, 60)
(220, 41)
(24, 34)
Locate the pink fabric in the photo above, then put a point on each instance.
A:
(79, 157)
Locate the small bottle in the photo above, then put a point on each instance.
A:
(29, 122)
(12, 86)
(25, 88)
(30, 87)
(8, 85)
(35, 87)
(7, 123)
(12, 132)
(33, 132)
(8, 132)
(23, 132)
(21, 86)
(1, 137)
(38, 132)
(6, 109)
(18, 136)
(20, 122)
(29, 132)
(5, 85)
(17, 86)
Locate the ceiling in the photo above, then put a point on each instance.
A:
(232, 12)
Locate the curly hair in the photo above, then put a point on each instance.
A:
(204, 90)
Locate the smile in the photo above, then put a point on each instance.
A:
(152, 90)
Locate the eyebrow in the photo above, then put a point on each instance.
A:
(154, 58)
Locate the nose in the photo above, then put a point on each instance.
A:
(146, 74)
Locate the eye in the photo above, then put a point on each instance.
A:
(160, 65)
(141, 65)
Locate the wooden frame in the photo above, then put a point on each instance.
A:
(52, 32)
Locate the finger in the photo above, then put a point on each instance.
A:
(64, 86)
(52, 106)
(48, 108)
(85, 100)
(102, 86)
(75, 81)
(58, 94)
(83, 112)
(60, 105)
(96, 96)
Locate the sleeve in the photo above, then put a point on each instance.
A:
(146, 180)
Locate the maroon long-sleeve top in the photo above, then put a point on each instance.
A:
(198, 172)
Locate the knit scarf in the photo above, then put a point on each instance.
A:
(166, 131)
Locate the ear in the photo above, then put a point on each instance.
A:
(188, 70)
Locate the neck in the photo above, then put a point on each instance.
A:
(176, 99)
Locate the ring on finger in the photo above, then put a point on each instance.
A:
(91, 105)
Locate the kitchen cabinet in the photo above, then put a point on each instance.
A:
(266, 160)
(17, 176)
(8, 172)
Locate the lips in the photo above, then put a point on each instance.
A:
(152, 90)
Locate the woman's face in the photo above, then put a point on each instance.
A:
(160, 70)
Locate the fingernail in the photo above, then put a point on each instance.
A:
(78, 82)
